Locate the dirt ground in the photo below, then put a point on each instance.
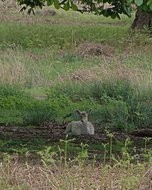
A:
(50, 131)
(53, 132)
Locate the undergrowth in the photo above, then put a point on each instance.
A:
(117, 104)
(58, 170)
(35, 54)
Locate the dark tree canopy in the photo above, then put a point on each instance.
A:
(99, 7)
(112, 8)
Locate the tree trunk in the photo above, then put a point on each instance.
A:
(142, 20)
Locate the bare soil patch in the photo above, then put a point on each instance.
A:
(53, 132)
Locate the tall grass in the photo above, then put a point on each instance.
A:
(28, 36)
(43, 78)
(33, 177)
(57, 171)
(117, 104)
(45, 67)
(17, 107)
(37, 57)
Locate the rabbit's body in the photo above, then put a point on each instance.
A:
(90, 128)
(80, 127)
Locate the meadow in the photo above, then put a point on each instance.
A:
(52, 65)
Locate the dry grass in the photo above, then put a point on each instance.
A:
(109, 71)
(94, 49)
(14, 175)
(24, 68)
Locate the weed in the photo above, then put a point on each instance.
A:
(110, 135)
(66, 142)
(78, 173)
(82, 155)
(37, 56)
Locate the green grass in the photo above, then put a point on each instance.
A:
(46, 61)
(44, 77)
(60, 36)
(117, 104)
(41, 57)
(44, 67)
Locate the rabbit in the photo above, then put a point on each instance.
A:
(80, 127)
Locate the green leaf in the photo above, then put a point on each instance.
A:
(145, 8)
(150, 7)
(149, 2)
(139, 2)
(113, 16)
(66, 6)
(49, 2)
(56, 4)
(130, 1)
(74, 7)
(127, 11)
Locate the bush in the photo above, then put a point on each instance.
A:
(13, 97)
(143, 115)
(38, 113)
(17, 107)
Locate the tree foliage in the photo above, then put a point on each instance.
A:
(98, 7)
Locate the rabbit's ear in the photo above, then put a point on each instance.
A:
(78, 111)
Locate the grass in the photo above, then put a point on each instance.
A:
(46, 73)
(47, 36)
(49, 65)
(75, 178)
(56, 171)
(117, 104)
(43, 68)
